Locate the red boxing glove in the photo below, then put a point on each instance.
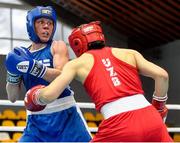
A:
(31, 101)
(160, 104)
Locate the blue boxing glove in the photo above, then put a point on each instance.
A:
(20, 61)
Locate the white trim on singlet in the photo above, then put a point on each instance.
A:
(57, 105)
(124, 104)
(83, 119)
(36, 50)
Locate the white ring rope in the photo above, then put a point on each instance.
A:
(81, 105)
(21, 129)
(21, 103)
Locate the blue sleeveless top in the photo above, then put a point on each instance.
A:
(60, 121)
(44, 56)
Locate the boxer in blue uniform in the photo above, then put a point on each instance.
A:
(42, 62)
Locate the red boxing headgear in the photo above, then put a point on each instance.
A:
(84, 35)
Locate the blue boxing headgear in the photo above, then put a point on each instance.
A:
(34, 14)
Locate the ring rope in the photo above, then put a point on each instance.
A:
(81, 105)
(92, 129)
(21, 103)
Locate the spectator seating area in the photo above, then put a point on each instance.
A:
(9, 117)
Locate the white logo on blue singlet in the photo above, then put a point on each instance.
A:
(45, 62)
(113, 75)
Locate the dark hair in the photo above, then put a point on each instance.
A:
(96, 45)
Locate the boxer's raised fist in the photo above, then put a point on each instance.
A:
(20, 61)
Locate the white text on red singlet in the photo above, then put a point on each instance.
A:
(113, 75)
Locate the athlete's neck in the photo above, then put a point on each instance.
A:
(36, 46)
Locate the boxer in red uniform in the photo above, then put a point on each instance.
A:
(111, 78)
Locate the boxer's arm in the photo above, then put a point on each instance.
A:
(155, 72)
(38, 96)
(13, 83)
(13, 91)
(57, 86)
(60, 58)
(161, 79)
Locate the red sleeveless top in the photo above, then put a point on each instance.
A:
(111, 78)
